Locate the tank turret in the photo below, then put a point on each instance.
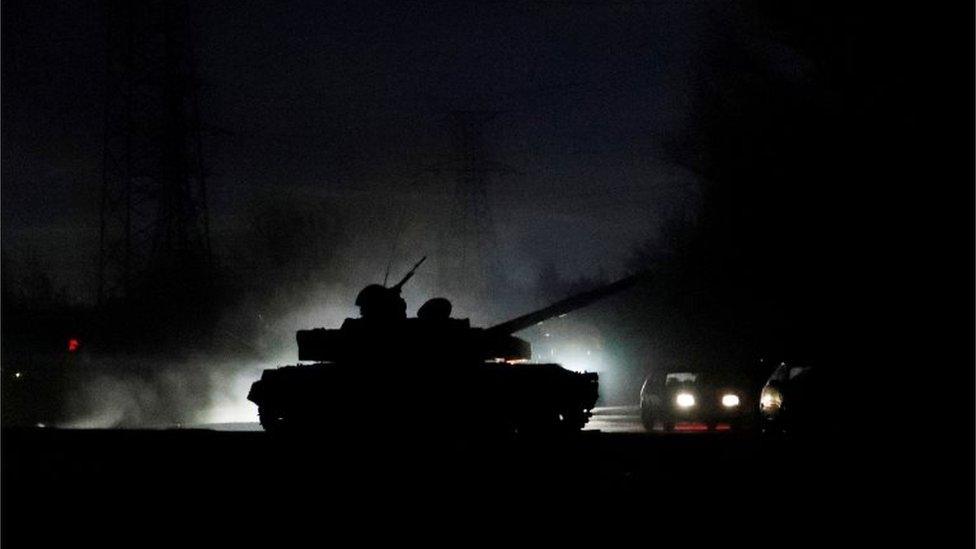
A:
(398, 368)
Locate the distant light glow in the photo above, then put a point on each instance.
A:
(73, 345)
(685, 400)
(229, 404)
(18, 375)
(582, 354)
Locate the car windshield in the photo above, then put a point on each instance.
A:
(781, 373)
(798, 370)
(680, 377)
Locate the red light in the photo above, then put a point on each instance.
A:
(690, 426)
(723, 427)
(73, 345)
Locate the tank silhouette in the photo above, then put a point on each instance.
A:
(389, 372)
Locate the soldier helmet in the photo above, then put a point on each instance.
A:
(374, 293)
(381, 303)
(437, 308)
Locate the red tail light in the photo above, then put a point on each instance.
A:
(690, 426)
(73, 345)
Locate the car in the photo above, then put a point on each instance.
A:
(788, 402)
(697, 401)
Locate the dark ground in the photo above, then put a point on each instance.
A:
(104, 487)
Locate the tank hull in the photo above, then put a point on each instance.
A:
(488, 397)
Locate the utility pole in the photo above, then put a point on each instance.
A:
(467, 243)
(154, 224)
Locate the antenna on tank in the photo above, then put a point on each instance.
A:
(396, 242)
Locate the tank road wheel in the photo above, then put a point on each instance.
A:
(272, 419)
(573, 420)
(537, 423)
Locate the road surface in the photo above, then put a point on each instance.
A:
(82, 486)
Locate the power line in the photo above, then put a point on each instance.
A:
(154, 220)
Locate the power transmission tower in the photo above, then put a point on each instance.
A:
(154, 233)
(467, 255)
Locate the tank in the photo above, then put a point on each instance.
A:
(388, 372)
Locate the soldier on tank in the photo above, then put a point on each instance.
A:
(379, 304)
(438, 308)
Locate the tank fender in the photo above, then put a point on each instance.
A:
(256, 393)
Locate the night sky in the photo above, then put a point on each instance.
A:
(792, 179)
(793, 168)
(349, 105)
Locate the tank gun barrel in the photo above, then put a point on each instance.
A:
(566, 305)
(409, 275)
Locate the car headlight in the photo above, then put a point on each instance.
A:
(770, 400)
(684, 400)
(730, 400)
